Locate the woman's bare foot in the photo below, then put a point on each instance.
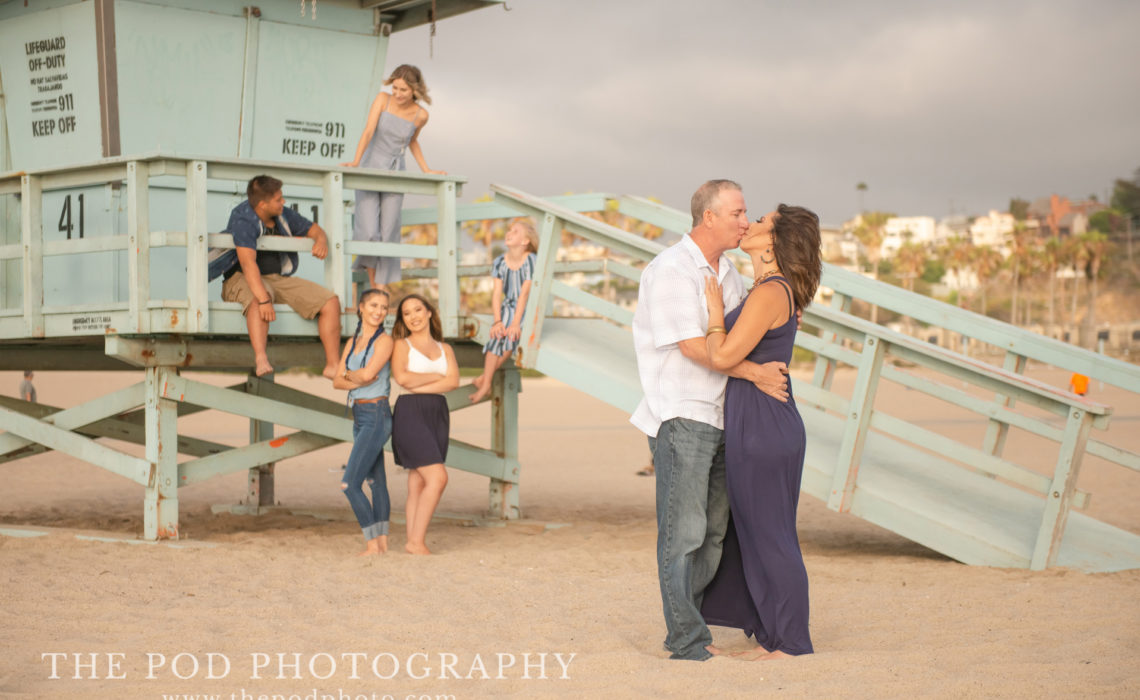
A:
(773, 655)
(715, 651)
(416, 548)
(481, 393)
(262, 367)
(329, 371)
(376, 545)
(751, 654)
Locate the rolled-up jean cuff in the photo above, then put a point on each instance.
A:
(376, 530)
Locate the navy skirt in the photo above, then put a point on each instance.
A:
(420, 425)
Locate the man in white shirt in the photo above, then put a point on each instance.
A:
(683, 409)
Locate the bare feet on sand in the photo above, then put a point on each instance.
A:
(416, 548)
(715, 651)
(376, 545)
(760, 654)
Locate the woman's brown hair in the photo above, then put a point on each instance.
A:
(796, 243)
(400, 329)
(415, 80)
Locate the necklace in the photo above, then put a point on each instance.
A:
(763, 277)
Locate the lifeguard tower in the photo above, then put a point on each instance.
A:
(162, 113)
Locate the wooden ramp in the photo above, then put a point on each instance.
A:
(967, 516)
(970, 502)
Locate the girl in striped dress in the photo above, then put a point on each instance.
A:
(512, 271)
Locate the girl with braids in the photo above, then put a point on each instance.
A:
(364, 370)
(425, 367)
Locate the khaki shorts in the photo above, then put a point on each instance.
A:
(305, 297)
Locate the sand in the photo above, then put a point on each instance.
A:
(564, 603)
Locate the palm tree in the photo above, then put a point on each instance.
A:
(910, 259)
(1078, 257)
(987, 262)
(861, 188)
(1097, 246)
(1022, 243)
(870, 234)
(958, 253)
(1052, 253)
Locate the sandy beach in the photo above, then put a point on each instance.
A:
(563, 603)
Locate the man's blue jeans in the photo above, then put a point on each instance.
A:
(692, 516)
(371, 427)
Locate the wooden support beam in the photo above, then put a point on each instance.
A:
(160, 501)
(858, 421)
(541, 290)
(138, 245)
(336, 277)
(1057, 502)
(32, 235)
(259, 487)
(84, 414)
(128, 427)
(198, 311)
(448, 245)
(250, 457)
(182, 389)
(208, 353)
(825, 366)
(997, 431)
(75, 445)
(504, 495)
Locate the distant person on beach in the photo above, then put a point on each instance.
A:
(761, 585)
(394, 124)
(1079, 384)
(364, 371)
(513, 271)
(27, 390)
(683, 409)
(257, 279)
(425, 367)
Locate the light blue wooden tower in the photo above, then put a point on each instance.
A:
(128, 132)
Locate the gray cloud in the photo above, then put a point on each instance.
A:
(932, 104)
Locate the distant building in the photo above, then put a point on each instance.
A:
(832, 245)
(1074, 223)
(901, 229)
(956, 226)
(1058, 217)
(992, 230)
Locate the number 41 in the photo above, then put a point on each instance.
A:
(65, 216)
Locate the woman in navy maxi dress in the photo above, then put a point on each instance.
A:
(761, 585)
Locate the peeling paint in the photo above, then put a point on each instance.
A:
(279, 441)
(173, 318)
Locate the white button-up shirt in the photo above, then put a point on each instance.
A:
(671, 308)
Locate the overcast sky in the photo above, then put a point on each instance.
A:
(940, 107)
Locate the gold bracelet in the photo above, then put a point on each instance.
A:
(716, 329)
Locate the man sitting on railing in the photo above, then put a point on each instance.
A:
(256, 279)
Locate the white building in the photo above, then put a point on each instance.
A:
(992, 230)
(900, 229)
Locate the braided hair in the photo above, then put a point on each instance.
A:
(364, 296)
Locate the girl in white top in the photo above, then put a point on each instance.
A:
(425, 367)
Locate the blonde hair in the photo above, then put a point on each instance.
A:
(415, 80)
(527, 225)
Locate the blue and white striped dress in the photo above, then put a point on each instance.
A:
(512, 287)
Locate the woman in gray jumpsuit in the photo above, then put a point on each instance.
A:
(394, 125)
